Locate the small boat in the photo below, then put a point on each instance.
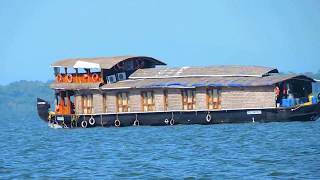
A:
(139, 90)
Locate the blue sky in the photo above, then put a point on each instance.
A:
(283, 34)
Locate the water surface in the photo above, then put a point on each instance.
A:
(29, 149)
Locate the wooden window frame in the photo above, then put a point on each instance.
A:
(125, 108)
(87, 108)
(165, 100)
(216, 104)
(82, 104)
(145, 105)
(185, 99)
(104, 103)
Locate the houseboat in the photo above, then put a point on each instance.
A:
(138, 90)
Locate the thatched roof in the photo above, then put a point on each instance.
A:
(103, 62)
(167, 72)
(191, 82)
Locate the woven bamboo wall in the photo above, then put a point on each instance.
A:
(78, 104)
(201, 98)
(231, 97)
(247, 97)
(134, 100)
(174, 99)
(111, 101)
(159, 99)
(97, 103)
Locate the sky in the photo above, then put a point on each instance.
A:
(283, 34)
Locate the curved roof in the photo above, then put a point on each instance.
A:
(191, 82)
(186, 82)
(225, 70)
(101, 62)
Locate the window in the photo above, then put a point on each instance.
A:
(188, 99)
(87, 107)
(165, 99)
(213, 98)
(148, 101)
(123, 102)
(104, 103)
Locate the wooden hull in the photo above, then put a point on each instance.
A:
(302, 113)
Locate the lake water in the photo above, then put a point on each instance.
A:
(30, 149)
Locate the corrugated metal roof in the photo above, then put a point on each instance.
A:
(104, 62)
(190, 82)
(231, 70)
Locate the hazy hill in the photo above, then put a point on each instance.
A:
(18, 99)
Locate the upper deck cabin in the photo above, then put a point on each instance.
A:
(86, 73)
(100, 70)
(127, 84)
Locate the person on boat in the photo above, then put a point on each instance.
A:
(277, 92)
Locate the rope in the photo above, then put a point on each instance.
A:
(64, 124)
(74, 120)
(101, 120)
(136, 122)
(172, 120)
(296, 108)
(51, 115)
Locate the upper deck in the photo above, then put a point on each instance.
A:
(141, 72)
(101, 70)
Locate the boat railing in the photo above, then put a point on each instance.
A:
(79, 78)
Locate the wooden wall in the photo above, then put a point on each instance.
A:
(201, 98)
(231, 97)
(247, 97)
(159, 99)
(111, 101)
(134, 100)
(97, 103)
(78, 104)
(174, 99)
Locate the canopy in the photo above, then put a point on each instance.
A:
(83, 64)
(102, 62)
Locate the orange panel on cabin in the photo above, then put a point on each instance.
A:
(80, 78)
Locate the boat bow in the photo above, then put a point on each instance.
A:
(43, 109)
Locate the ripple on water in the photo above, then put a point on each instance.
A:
(259, 150)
